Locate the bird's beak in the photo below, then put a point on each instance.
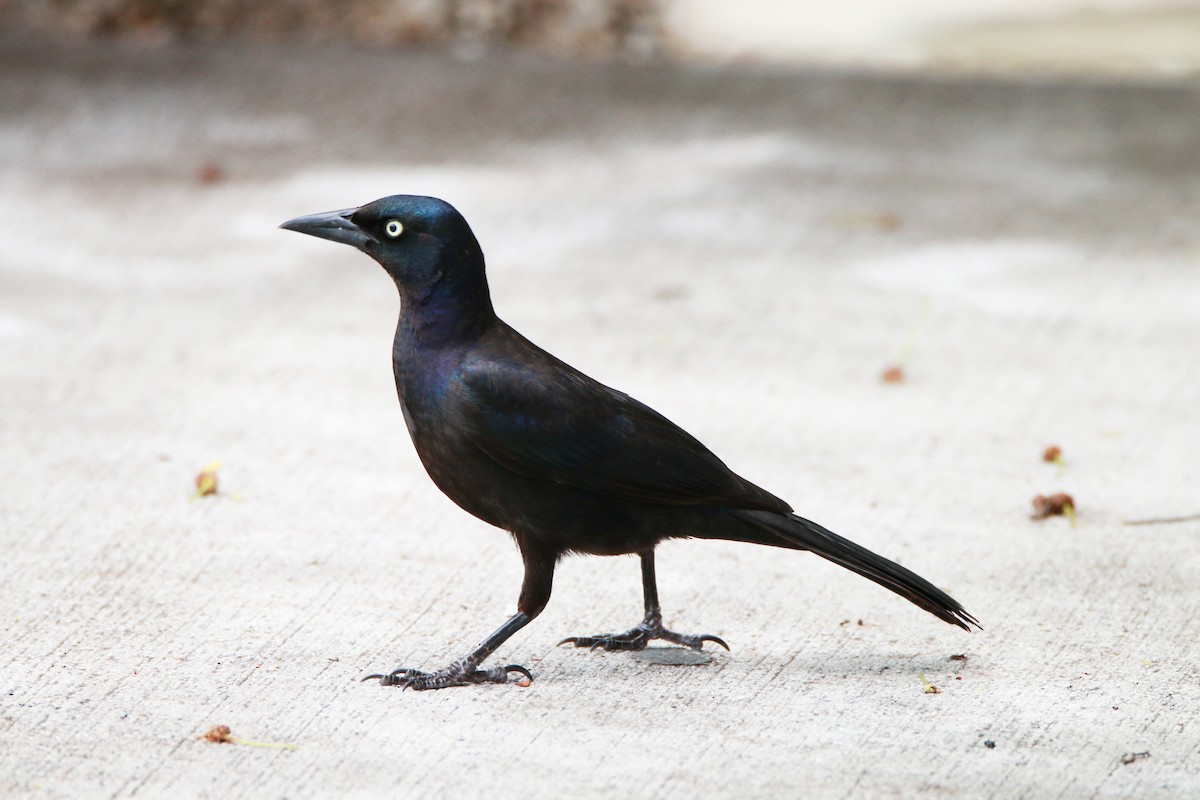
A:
(332, 225)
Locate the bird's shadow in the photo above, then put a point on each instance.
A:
(869, 663)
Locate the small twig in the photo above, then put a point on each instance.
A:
(1161, 520)
(252, 743)
(914, 333)
(220, 734)
(895, 373)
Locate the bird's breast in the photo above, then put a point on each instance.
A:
(426, 383)
(423, 380)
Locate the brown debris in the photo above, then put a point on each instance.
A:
(1052, 454)
(221, 734)
(887, 221)
(893, 374)
(206, 481)
(868, 219)
(218, 734)
(1055, 505)
(958, 657)
(209, 172)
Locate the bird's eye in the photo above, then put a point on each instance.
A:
(394, 228)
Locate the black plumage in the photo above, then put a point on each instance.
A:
(529, 444)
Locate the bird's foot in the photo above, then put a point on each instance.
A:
(637, 637)
(460, 673)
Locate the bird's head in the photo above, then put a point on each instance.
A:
(423, 242)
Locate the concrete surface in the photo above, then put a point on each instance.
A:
(746, 251)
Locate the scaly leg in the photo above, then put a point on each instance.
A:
(535, 593)
(651, 627)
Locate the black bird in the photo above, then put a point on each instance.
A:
(562, 462)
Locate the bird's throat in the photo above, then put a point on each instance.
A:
(437, 316)
(444, 296)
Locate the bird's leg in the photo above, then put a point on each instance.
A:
(651, 627)
(464, 670)
(535, 593)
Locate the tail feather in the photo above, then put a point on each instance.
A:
(797, 533)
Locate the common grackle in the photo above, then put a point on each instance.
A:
(563, 463)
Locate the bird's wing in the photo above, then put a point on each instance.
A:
(555, 423)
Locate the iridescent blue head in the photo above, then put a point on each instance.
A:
(424, 244)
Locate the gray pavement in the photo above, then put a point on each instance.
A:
(745, 251)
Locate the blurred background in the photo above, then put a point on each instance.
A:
(1076, 37)
(881, 257)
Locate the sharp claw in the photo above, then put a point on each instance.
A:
(415, 679)
(520, 669)
(391, 678)
(638, 637)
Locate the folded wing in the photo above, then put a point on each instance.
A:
(555, 423)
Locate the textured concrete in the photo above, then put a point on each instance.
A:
(744, 251)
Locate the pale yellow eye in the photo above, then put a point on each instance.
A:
(393, 228)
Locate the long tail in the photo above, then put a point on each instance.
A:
(797, 533)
